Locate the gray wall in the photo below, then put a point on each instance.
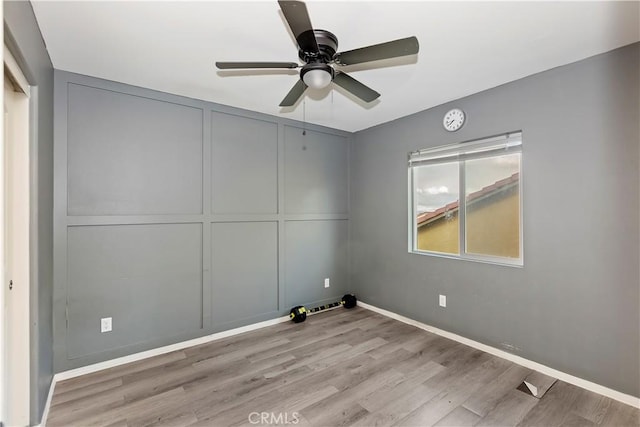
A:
(23, 38)
(574, 305)
(180, 218)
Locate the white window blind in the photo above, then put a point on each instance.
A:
(503, 144)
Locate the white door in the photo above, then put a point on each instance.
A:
(14, 250)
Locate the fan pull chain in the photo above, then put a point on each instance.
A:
(332, 105)
(304, 116)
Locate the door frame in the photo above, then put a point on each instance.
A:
(15, 404)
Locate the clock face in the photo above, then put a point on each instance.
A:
(453, 120)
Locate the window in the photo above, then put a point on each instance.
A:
(466, 200)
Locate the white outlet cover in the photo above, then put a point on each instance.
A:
(443, 300)
(326, 282)
(106, 324)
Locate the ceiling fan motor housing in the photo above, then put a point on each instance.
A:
(327, 45)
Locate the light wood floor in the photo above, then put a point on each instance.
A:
(344, 367)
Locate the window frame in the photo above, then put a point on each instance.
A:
(462, 199)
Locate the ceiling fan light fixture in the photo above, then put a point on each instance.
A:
(317, 75)
(317, 79)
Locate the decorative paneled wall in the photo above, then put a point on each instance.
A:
(179, 218)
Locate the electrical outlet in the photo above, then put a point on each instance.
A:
(443, 300)
(326, 282)
(105, 324)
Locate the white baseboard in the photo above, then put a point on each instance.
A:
(61, 376)
(47, 405)
(568, 378)
(72, 373)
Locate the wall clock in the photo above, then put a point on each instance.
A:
(453, 120)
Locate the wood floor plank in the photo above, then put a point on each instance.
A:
(398, 390)
(346, 417)
(397, 337)
(338, 357)
(118, 371)
(486, 398)
(88, 391)
(510, 410)
(454, 390)
(427, 342)
(241, 353)
(343, 367)
(290, 397)
(180, 418)
(64, 417)
(118, 423)
(621, 415)
(173, 412)
(234, 342)
(459, 417)
(553, 407)
(299, 345)
(218, 380)
(398, 409)
(460, 373)
(421, 357)
(339, 376)
(161, 383)
(224, 374)
(574, 420)
(119, 410)
(145, 409)
(591, 406)
(359, 369)
(238, 412)
(296, 402)
(329, 409)
(138, 385)
(219, 400)
(310, 358)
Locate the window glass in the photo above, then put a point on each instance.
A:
(492, 197)
(436, 202)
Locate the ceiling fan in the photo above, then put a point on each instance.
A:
(318, 51)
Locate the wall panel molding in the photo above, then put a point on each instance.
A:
(237, 203)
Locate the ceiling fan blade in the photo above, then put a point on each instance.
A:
(355, 87)
(392, 49)
(295, 12)
(294, 94)
(244, 65)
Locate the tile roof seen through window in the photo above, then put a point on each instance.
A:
(485, 192)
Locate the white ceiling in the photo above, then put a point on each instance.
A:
(465, 47)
